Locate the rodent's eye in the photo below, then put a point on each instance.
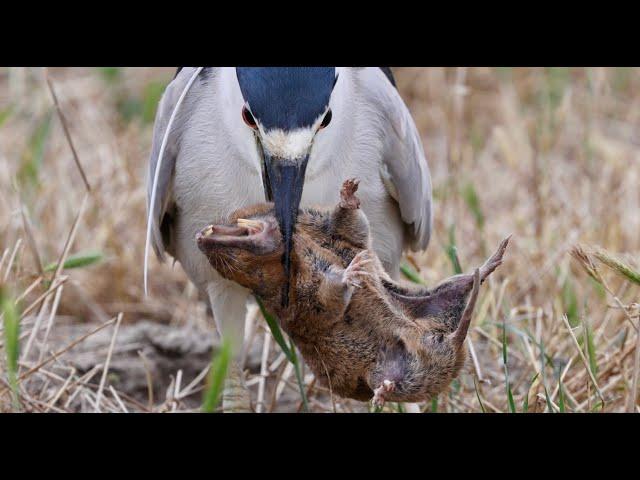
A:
(327, 119)
(439, 338)
(247, 116)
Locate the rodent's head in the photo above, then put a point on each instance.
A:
(427, 362)
(442, 357)
(248, 249)
(446, 315)
(443, 352)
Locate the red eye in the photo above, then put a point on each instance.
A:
(326, 120)
(248, 118)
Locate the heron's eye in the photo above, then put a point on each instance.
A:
(248, 118)
(326, 120)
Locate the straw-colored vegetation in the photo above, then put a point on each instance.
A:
(551, 156)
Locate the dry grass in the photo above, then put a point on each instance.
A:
(549, 155)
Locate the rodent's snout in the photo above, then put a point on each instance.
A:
(256, 235)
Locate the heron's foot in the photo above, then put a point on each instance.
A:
(379, 393)
(236, 397)
(356, 272)
(348, 199)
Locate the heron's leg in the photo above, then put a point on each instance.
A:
(229, 305)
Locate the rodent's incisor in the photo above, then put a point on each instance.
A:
(362, 334)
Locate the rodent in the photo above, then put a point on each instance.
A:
(362, 334)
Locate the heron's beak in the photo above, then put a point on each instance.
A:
(284, 181)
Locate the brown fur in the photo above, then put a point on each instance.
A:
(349, 320)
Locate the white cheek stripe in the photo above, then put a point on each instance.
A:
(291, 145)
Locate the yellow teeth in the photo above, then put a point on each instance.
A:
(208, 231)
(251, 224)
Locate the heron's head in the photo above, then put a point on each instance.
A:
(287, 108)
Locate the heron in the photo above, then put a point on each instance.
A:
(228, 137)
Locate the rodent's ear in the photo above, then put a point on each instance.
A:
(463, 327)
(444, 304)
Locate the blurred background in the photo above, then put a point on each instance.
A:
(550, 155)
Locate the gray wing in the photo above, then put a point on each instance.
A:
(387, 73)
(404, 169)
(163, 206)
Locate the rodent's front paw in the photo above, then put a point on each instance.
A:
(356, 271)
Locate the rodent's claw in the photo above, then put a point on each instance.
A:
(353, 276)
(348, 198)
(355, 273)
(378, 394)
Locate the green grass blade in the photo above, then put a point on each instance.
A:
(216, 377)
(475, 384)
(557, 81)
(472, 200)
(523, 333)
(33, 156)
(434, 405)
(77, 261)
(299, 379)
(5, 113)
(591, 348)
(525, 404)
(11, 342)
(570, 302)
(544, 383)
(411, 274)
(512, 404)
(561, 401)
(548, 398)
(452, 252)
(289, 350)
(276, 332)
(129, 108)
(599, 288)
(150, 100)
(110, 74)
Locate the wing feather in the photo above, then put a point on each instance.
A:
(164, 151)
(404, 168)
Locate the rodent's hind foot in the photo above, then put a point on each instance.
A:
(379, 393)
(348, 199)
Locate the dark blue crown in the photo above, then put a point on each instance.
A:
(286, 97)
